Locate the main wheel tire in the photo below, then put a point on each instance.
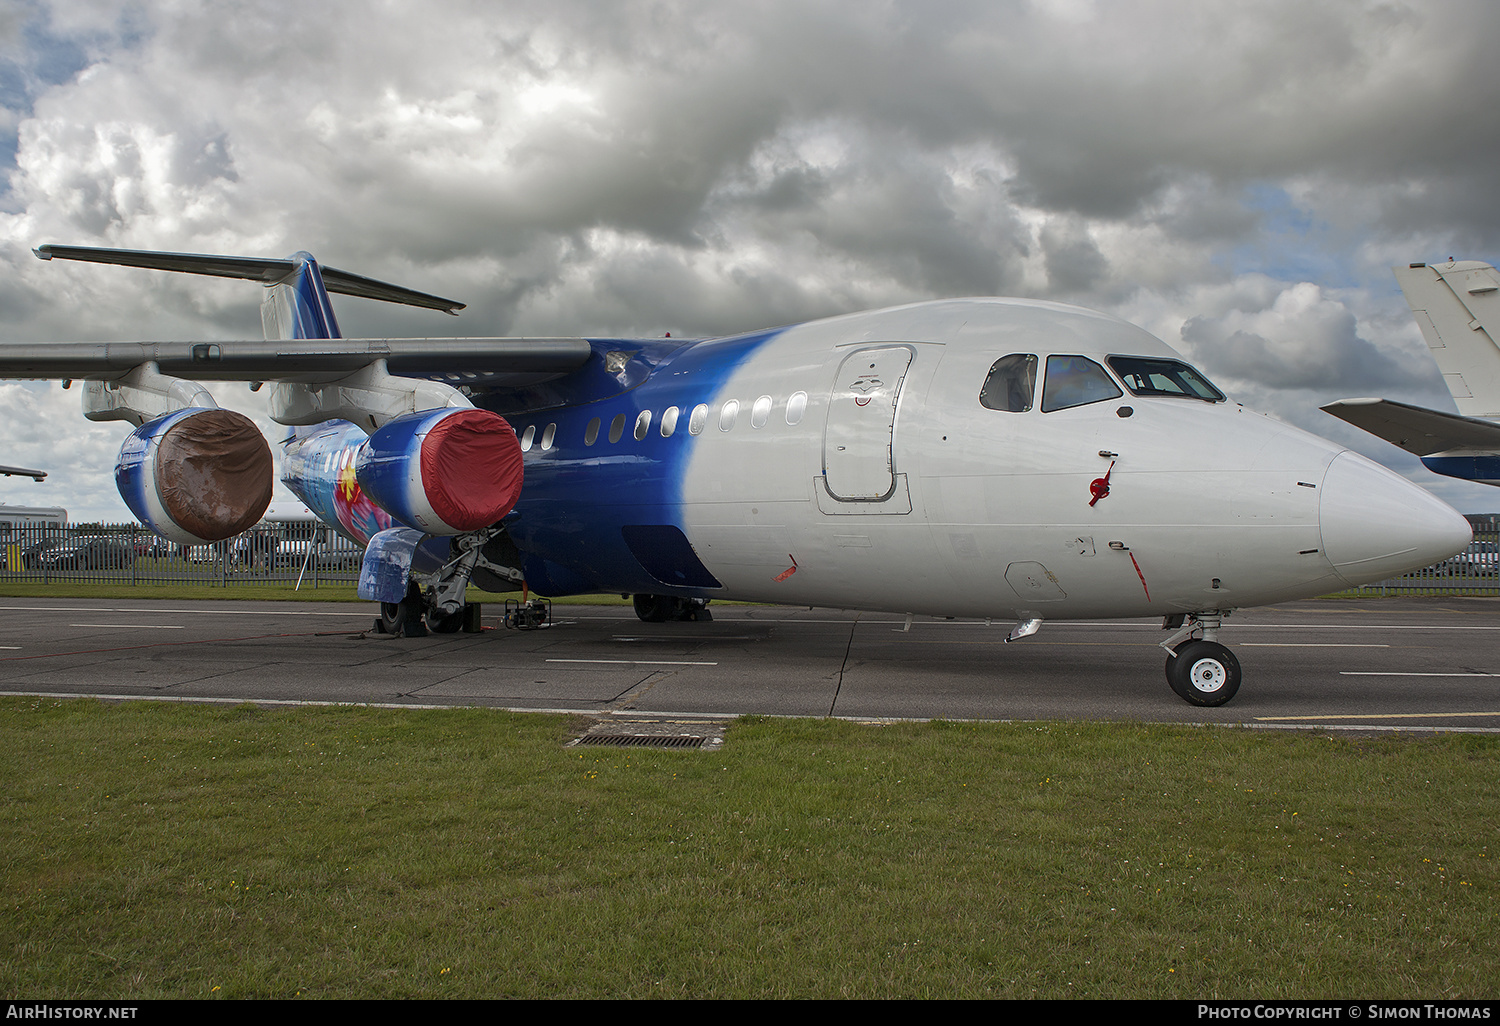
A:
(404, 617)
(444, 623)
(1204, 673)
(392, 617)
(654, 608)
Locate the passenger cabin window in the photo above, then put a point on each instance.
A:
(727, 415)
(1011, 384)
(760, 412)
(1154, 376)
(795, 407)
(1076, 381)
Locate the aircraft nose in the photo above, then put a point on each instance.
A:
(1376, 524)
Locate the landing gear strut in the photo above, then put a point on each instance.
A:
(1200, 670)
(661, 608)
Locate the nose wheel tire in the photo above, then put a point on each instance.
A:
(1204, 673)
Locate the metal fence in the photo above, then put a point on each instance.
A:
(303, 554)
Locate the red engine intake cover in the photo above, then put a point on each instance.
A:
(471, 469)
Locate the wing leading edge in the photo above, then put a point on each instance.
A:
(299, 360)
(1420, 431)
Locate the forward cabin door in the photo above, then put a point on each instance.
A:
(858, 465)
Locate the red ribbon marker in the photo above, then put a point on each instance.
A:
(1141, 576)
(1099, 486)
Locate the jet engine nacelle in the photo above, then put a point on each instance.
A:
(196, 475)
(443, 472)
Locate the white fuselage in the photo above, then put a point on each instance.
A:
(921, 499)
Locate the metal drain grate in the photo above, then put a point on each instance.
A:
(643, 732)
(641, 741)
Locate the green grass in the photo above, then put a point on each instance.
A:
(156, 850)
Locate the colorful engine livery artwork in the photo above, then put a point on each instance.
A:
(318, 467)
(440, 472)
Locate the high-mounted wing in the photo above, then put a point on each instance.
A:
(308, 361)
(1418, 430)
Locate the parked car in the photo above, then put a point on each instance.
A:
(32, 553)
(1481, 559)
(254, 549)
(87, 554)
(154, 545)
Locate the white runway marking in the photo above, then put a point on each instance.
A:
(1409, 673)
(187, 612)
(134, 626)
(1005, 625)
(1310, 644)
(634, 662)
(678, 714)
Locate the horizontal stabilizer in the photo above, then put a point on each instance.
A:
(310, 360)
(267, 271)
(1419, 431)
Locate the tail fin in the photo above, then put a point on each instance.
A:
(297, 305)
(1457, 306)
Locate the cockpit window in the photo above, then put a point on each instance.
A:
(1011, 384)
(1153, 376)
(1076, 381)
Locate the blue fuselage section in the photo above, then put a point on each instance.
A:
(594, 513)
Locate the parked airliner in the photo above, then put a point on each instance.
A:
(989, 458)
(1457, 308)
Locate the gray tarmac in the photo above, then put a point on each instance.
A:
(1376, 664)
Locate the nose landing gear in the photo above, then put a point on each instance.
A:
(1200, 670)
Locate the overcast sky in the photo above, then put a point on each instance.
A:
(1236, 178)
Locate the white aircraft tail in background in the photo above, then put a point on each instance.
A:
(1457, 306)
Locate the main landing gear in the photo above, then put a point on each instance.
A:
(661, 608)
(1200, 670)
(417, 614)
